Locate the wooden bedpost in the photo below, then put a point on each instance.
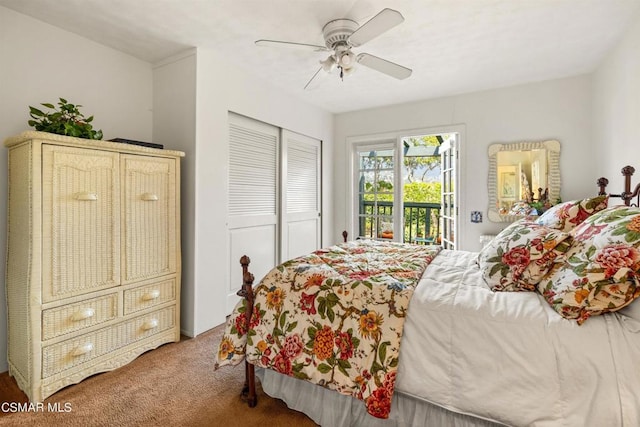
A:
(627, 195)
(602, 185)
(345, 234)
(246, 292)
(627, 172)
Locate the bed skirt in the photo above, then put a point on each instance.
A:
(328, 408)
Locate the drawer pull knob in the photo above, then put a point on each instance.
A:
(149, 197)
(150, 324)
(88, 197)
(83, 349)
(151, 295)
(83, 314)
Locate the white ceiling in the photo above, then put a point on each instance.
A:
(453, 46)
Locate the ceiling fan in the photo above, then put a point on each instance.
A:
(341, 35)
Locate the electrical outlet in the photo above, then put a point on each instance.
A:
(476, 216)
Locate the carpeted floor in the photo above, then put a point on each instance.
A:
(174, 385)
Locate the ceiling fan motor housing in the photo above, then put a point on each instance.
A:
(337, 32)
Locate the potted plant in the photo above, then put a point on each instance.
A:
(66, 119)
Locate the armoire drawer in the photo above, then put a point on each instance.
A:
(74, 317)
(147, 296)
(84, 348)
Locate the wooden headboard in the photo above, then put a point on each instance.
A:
(627, 195)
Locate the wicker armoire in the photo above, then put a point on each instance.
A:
(93, 257)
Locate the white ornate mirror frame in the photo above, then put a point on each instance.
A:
(553, 173)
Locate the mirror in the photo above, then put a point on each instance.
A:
(522, 175)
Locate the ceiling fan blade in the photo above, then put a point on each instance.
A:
(292, 45)
(309, 85)
(387, 67)
(383, 21)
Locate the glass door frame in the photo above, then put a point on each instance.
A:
(380, 145)
(396, 137)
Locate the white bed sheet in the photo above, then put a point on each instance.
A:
(498, 356)
(509, 357)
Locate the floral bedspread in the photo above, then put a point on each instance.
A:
(334, 317)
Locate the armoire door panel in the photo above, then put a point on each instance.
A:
(81, 221)
(149, 223)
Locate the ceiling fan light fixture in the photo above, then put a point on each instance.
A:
(347, 59)
(328, 64)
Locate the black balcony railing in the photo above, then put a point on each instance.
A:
(421, 221)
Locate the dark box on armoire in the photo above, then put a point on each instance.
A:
(141, 143)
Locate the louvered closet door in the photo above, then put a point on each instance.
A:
(301, 218)
(81, 221)
(253, 199)
(149, 199)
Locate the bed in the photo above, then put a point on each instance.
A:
(538, 329)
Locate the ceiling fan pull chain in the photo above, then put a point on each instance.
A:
(341, 74)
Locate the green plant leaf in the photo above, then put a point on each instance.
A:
(64, 120)
(35, 112)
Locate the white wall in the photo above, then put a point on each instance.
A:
(558, 109)
(174, 124)
(616, 126)
(221, 89)
(41, 63)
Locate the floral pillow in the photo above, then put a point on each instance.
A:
(565, 216)
(601, 269)
(518, 257)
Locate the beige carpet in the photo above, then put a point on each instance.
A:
(174, 385)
